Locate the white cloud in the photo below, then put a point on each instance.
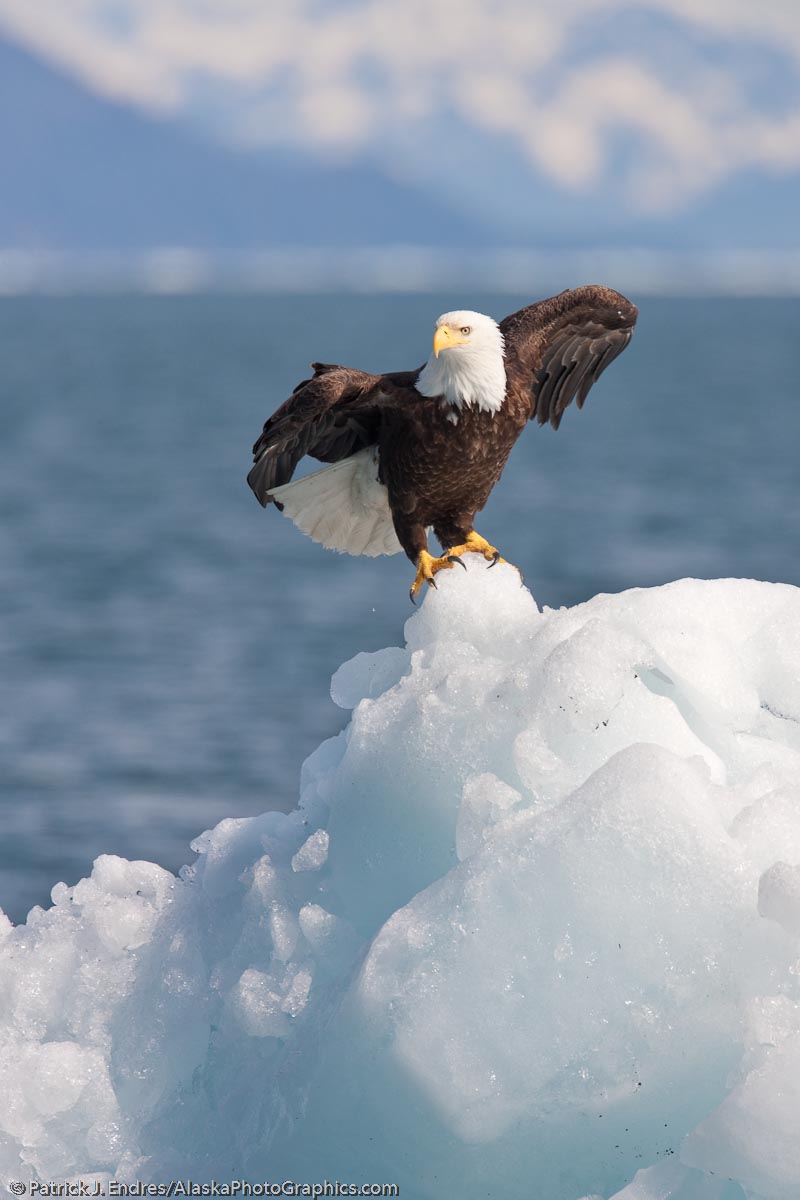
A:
(374, 75)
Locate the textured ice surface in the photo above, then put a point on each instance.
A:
(532, 932)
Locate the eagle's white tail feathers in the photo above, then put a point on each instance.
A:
(343, 506)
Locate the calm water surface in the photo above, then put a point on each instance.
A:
(166, 646)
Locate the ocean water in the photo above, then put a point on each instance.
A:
(166, 645)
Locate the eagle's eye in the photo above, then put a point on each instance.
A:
(465, 329)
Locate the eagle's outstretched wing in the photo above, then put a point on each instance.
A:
(330, 417)
(559, 347)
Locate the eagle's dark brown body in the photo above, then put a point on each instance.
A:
(440, 462)
(439, 473)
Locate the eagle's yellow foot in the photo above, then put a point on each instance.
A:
(427, 567)
(475, 544)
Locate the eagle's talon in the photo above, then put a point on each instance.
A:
(427, 567)
(495, 560)
(453, 558)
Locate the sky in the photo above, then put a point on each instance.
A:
(592, 121)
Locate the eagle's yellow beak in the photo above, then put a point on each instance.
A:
(444, 338)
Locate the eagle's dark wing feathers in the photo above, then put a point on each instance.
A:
(328, 416)
(559, 347)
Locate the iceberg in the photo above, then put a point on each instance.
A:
(532, 931)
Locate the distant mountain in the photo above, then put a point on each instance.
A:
(79, 172)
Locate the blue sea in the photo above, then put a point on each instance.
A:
(166, 645)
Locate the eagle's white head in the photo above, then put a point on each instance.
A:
(467, 365)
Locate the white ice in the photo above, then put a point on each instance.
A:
(533, 931)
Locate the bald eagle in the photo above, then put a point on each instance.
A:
(419, 450)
